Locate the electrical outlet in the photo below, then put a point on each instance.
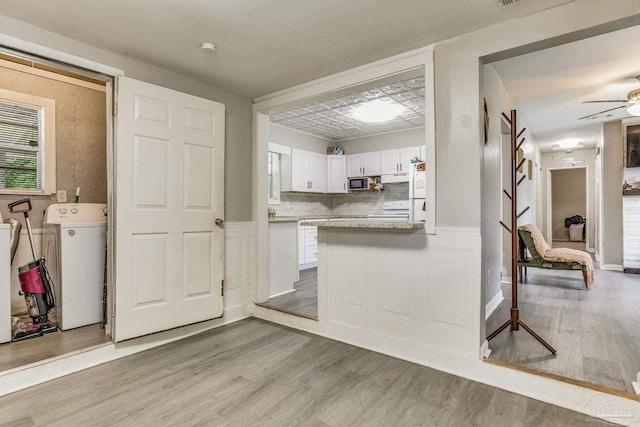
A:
(61, 195)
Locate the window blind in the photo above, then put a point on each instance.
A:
(20, 146)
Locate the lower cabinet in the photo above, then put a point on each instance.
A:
(307, 247)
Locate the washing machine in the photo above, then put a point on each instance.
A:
(74, 246)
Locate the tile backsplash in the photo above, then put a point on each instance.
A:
(303, 204)
(355, 203)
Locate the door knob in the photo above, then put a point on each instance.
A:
(220, 222)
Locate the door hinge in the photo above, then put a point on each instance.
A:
(222, 288)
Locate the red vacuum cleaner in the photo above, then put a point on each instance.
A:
(36, 285)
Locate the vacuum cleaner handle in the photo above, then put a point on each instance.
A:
(18, 207)
(15, 207)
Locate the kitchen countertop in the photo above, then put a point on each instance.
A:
(277, 219)
(375, 224)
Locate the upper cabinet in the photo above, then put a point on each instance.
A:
(336, 174)
(390, 160)
(406, 154)
(398, 161)
(317, 169)
(364, 164)
(308, 171)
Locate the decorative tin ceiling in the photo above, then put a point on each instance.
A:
(331, 119)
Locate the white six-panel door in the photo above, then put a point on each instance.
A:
(169, 192)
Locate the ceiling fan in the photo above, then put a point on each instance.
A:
(632, 104)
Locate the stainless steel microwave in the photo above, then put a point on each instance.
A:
(356, 184)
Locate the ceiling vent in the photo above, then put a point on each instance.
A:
(506, 2)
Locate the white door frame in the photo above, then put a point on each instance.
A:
(549, 202)
(111, 72)
(410, 60)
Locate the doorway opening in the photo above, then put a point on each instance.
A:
(568, 205)
(573, 179)
(63, 170)
(326, 164)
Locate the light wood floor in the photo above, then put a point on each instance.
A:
(304, 301)
(595, 332)
(15, 354)
(254, 373)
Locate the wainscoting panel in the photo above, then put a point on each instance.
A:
(449, 289)
(239, 265)
(406, 285)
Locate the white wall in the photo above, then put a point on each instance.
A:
(496, 242)
(459, 143)
(611, 235)
(238, 108)
(384, 141)
(302, 141)
(548, 163)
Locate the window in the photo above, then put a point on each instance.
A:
(279, 166)
(27, 144)
(274, 178)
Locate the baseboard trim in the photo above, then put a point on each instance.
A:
(464, 230)
(282, 293)
(612, 267)
(47, 370)
(485, 351)
(491, 306)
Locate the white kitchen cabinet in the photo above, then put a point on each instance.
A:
(364, 164)
(390, 161)
(317, 172)
(299, 177)
(308, 171)
(354, 165)
(307, 247)
(371, 163)
(398, 160)
(406, 154)
(336, 174)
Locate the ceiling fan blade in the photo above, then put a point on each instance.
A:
(606, 100)
(604, 111)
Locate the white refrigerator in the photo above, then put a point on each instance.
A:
(418, 192)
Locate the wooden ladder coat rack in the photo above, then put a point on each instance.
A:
(514, 320)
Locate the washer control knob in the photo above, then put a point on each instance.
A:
(72, 232)
(62, 211)
(74, 210)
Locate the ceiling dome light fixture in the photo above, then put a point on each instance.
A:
(568, 145)
(208, 47)
(377, 111)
